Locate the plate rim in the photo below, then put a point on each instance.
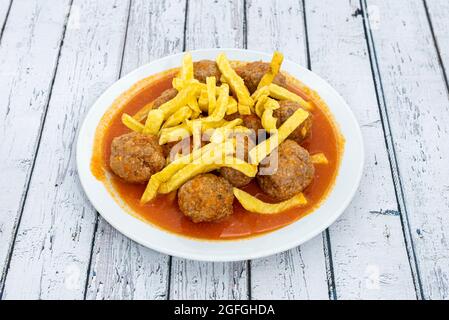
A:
(261, 252)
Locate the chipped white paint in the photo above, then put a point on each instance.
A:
(298, 273)
(368, 249)
(416, 100)
(28, 56)
(52, 249)
(121, 268)
(4, 6)
(206, 21)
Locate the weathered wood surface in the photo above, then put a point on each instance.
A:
(5, 5)
(299, 273)
(369, 255)
(205, 23)
(53, 244)
(121, 268)
(416, 109)
(28, 57)
(438, 11)
(390, 243)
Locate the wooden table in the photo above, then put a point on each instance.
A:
(387, 58)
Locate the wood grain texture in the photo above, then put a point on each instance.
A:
(416, 107)
(211, 24)
(439, 17)
(299, 273)
(121, 268)
(28, 56)
(53, 243)
(4, 10)
(368, 249)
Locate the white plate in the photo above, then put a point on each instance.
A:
(230, 250)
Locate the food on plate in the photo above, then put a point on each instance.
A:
(220, 149)
(285, 111)
(294, 172)
(206, 197)
(135, 157)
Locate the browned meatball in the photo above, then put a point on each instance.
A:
(285, 111)
(135, 157)
(253, 72)
(206, 68)
(165, 96)
(294, 172)
(235, 177)
(206, 198)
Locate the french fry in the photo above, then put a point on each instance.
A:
(178, 117)
(181, 99)
(174, 134)
(165, 174)
(244, 109)
(275, 66)
(203, 101)
(132, 123)
(280, 93)
(220, 108)
(143, 113)
(263, 149)
(319, 158)
(207, 162)
(193, 104)
(211, 94)
(232, 106)
(268, 121)
(260, 104)
(220, 134)
(235, 82)
(187, 67)
(255, 205)
(154, 121)
(180, 84)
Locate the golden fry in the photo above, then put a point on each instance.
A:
(187, 67)
(154, 121)
(268, 121)
(143, 113)
(280, 93)
(220, 108)
(211, 94)
(181, 99)
(174, 134)
(178, 117)
(232, 106)
(244, 109)
(235, 82)
(263, 149)
(132, 123)
(222, 133)
(319, 158)
(253, 204)
(275, 66)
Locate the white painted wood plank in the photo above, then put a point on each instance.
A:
(4, 7)
(416, 101)
(28, 54)
(369, 253)
(299, 273)
(211, 24)
(439, 16)
(53, 245)
(121, 268)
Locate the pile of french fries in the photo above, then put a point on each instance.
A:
(201, 107)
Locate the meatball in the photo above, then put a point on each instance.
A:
(135, 157)
(235, 177)
(206, 68)
(206, 198)
(286, 109)
(165, 96)
(294, 172)
(253, 72)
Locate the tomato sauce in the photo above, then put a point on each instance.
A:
(164, 212)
